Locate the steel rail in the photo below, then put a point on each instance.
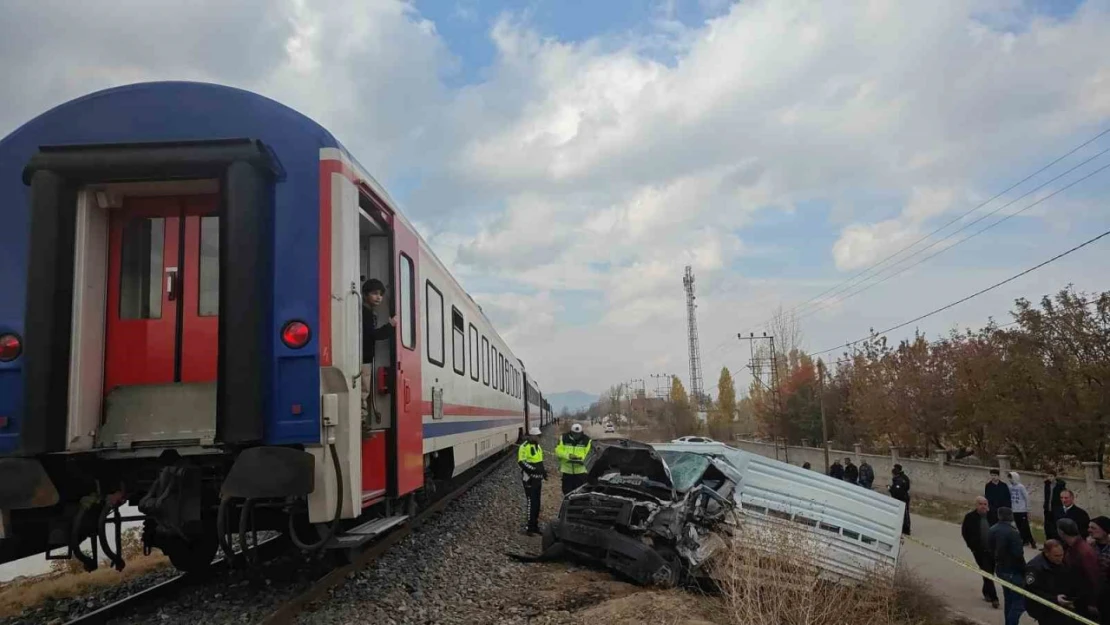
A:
(288, 612)
(119, 608)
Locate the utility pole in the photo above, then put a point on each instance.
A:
(662, 384)
(776, 421)
(824, 423)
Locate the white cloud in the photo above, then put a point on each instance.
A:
(642, 167)
(607, 165)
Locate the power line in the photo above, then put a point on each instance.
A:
(952, 221)
(973, 295)
(970, 236)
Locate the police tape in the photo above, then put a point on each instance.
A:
(1004, 583)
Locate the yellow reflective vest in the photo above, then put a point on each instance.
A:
(529, 457)
(572, 457)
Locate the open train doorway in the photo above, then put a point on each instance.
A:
(148, 257)
(376, 354)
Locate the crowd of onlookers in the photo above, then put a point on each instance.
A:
(864, 476)
(1071, 571)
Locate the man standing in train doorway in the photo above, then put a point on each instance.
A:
(529, 456)
(373, 292)
(571, 451)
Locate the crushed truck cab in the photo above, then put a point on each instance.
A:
(659, 513)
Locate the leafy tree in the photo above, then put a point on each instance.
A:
(1037, 389)
(724, 413)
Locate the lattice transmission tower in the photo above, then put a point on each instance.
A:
(697, 394)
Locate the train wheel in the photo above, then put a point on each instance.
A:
(191, 556)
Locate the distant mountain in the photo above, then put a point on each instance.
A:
(571, 400)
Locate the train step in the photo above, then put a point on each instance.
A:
(358, 536)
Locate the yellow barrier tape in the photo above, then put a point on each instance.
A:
(1021, 591)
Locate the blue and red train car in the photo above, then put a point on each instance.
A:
(181, 330)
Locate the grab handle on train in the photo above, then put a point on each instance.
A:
(171, 284)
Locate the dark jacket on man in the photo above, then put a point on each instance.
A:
(900, 487)
(371, 333)
(975, 530)
(998, 496)
(1077, 514)
(975, 535)
(1004, 542)
(1047, 581)
(836, 471)
(851, 473)
(866, 475)
(1052, 504)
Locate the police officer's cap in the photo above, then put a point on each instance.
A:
(534, 432)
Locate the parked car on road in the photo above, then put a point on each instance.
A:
(694, 439)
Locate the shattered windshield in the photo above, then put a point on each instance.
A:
(686, 468)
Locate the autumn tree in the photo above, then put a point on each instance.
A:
(724, 412)
(678, 414)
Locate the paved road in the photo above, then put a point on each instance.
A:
(958, 586)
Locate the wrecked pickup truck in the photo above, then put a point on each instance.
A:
(658, 513)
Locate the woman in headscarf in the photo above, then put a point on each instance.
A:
(1019, 503)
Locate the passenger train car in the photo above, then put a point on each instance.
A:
(181, 329)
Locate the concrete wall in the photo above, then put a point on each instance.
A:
(937, 478)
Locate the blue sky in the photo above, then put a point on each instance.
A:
(465, 25)
(568, 159)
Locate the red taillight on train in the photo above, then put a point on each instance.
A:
(295, 334)
(10, 347)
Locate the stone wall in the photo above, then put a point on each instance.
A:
(937, 478)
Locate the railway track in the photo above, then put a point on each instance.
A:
(268, 548)
(288, 611)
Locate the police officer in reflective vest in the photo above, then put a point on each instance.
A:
(532, 473)
(571, 451)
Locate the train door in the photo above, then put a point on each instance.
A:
(161, 329)
(376, 354)
(409, 401)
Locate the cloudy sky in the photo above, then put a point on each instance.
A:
(567, 158)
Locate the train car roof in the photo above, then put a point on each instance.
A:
(169, 111)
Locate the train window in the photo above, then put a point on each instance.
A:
(485, 361)
(458, 342)
(474, 353)
(140, 272)
(208, 303)
(434, 313)
(408, 307)
(500, 371)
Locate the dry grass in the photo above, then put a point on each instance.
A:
(68, 579)
(772, 578)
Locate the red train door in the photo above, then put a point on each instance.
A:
(163, 291)
(410, 412)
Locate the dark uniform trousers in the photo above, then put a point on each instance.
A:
(532, 490)
(572, 481)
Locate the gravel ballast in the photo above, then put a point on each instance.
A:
(442, 573)
(456, 568)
